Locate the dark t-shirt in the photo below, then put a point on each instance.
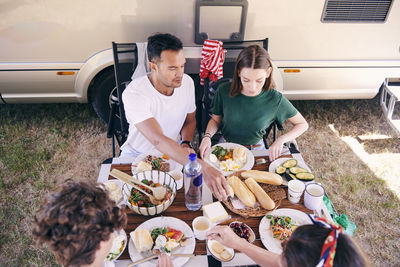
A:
(245, 118)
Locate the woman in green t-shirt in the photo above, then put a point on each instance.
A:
(244, 108)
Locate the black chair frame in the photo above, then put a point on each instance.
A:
(117, 125)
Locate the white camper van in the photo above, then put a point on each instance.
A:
(60, 51)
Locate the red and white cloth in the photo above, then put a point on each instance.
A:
(212, 59)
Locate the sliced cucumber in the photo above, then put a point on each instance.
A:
(280, 170)
(290, 176)
(305, 176)
(289, 163)
(296, 170)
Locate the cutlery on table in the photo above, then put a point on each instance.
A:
(156, 255)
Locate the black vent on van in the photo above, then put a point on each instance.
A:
(356, 10)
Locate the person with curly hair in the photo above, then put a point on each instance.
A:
(78, 223)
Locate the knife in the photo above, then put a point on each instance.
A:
(155, 256)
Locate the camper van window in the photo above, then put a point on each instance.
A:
(211, 23)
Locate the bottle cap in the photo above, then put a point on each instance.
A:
(192, 156)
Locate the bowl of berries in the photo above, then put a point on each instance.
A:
(243, 231)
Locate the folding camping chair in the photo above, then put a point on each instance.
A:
(125, 62)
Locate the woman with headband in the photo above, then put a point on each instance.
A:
(319, 244)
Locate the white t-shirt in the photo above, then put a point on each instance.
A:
(142, 101)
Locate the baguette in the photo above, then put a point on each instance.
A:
(241, 191)
(265, 201)
(263, 177)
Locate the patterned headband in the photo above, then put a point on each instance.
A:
(329, 247)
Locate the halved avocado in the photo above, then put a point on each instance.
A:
(280, 170)
(296, 170)
(289, 163)
(290, 176)
(305, 176)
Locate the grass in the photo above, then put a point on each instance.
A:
(43, 145)
(35, 142)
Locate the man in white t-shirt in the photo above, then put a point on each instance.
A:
(160, 109)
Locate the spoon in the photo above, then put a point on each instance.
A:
(117, 174)
(158, 192)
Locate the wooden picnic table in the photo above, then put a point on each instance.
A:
(179, 210)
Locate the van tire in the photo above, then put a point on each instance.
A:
(100, 93)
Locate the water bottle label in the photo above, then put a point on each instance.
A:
(198, 180)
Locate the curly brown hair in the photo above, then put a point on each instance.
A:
(75, 220)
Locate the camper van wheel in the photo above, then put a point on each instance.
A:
(100, 94)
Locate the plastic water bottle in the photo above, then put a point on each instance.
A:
(193, 180)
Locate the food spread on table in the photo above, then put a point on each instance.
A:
(153, 163)
(139, 199)
(117, 247)
(281, 227)
(291, 171)
(158, 240)
(228, 159)
(258, 192)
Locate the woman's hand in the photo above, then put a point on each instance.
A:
(225, 236)
(275, 149)
(204, 146)
(164, 260)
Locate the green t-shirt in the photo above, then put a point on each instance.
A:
(245, 118)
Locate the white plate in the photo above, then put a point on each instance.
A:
(121, 232)
(249, 156)
(164, 222)
(173, 165)
(271, 243)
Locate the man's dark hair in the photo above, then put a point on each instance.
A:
(160, 42)
(305, 245)
(75, 220)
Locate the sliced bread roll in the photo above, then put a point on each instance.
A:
(239, 155)
(142, 239)
(265, 201)
(263, 177)
(241, 191)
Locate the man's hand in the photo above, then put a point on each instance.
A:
(216, 181)
(188, 148)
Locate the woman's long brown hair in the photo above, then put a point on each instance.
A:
(254, 57)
